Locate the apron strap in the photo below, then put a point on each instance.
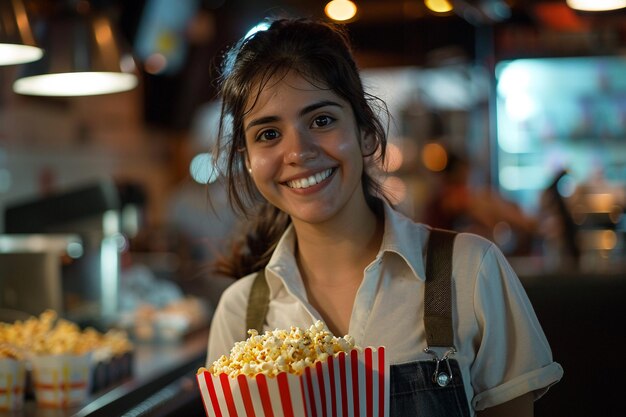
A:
(438, 291)
(258, 303)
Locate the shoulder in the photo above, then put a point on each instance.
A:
(236, 295)
(474, 250)
(480, 269)
(473, 243)
(484, 275)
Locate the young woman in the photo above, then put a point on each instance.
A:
(301, 139)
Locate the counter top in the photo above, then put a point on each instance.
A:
(160, 371)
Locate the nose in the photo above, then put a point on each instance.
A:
(300, 147)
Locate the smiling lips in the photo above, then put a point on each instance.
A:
(310, 181)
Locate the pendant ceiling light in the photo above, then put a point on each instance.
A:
(83, 56)
(596, 5)
(340, 10)
(17, 43)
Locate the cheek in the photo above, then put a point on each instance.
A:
(261, 166)
(350, 150)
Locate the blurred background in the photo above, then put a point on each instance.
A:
(508, 120)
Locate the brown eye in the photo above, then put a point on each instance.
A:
(322, 121)
(268, 135)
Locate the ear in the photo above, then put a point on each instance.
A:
(368, 144)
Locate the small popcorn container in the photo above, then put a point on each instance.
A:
(12, 384)
(61, 381)
(353, 384)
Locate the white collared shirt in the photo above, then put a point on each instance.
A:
(502, 350)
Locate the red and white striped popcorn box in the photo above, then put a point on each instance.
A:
(61, 380)
(12, 384)
(353, 384)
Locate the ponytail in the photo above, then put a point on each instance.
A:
(254, 249)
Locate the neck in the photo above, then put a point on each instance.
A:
(341, 248)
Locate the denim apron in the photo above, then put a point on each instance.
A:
(430, 388)
(414, 393)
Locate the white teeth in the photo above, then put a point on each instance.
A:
(310, 181)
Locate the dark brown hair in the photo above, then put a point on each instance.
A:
(321, 53)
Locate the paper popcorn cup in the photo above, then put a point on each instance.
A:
(61, 380)
(355, 384)
(12, 384)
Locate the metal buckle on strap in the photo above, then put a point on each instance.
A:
(442, 378)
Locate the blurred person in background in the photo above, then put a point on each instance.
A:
(457, 205)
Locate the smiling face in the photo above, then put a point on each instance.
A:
(304, 150)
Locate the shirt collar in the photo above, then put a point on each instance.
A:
(282, 266)
(406, 239)
(402, 236)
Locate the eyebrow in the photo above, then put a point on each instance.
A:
(308, 109)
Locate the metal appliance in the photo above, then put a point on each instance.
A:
(88, 290)
(30, 270)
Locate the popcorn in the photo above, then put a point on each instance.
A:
(50, 335)
(279, 351)
(10, 352)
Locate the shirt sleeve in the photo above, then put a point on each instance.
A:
(513, 355)
(229, 319)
